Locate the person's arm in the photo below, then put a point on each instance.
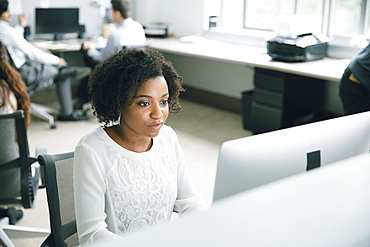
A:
(22, 23)
(111, 47)
(16, 40)
(22, 20)
(89, 193)
(188, 197)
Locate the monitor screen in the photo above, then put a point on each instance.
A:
(57, 20)
(249, 162)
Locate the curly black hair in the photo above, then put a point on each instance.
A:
(115, 81)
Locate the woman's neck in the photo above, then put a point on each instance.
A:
(137, 145)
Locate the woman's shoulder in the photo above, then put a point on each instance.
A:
(94, 136)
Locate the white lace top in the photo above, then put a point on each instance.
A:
(118, 191)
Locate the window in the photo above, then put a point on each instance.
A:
(343, 17)
(232, 16)
(346, 16)
(260, 14)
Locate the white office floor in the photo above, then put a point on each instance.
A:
(201, 131)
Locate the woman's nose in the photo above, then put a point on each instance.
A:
(156, 111)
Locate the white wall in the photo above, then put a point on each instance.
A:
(185, 17)
(88, 14)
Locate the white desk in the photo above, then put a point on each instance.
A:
(59, 46)
(325, 207)
(326, 69)
(68, 45)
(69, 49)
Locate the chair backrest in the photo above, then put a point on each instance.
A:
(36, 82)
(9, 59)
(18, 184)
(58, 170)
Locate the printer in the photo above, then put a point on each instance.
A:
(304, 47)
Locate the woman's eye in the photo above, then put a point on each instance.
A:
(164, 102)
(143, 103)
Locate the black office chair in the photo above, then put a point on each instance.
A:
(19, 180)
(41, 111)
(60, 196)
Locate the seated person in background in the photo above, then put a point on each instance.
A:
(131, 173)
(354, 85)
(35, 64)
(13, 97)
(127, 32)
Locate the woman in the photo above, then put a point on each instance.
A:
(13, 91)
(130, 174)
(13, 97)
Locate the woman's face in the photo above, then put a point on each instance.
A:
(148, 111)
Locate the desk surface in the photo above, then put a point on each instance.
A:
(59, 46)
(328, 206)
(326, 69)
(68, 45)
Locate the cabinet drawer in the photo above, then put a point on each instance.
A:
(265, 118)
(272, 98)
(269, 80)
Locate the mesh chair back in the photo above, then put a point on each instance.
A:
(9, 145)
(58, 170)
(64, 174)
(9, 176)
(18, 184)
(9, 59)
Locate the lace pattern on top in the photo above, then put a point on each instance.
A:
(143, 190)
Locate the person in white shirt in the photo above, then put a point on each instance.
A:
(35, 65)
(130, 174)
(127, 33)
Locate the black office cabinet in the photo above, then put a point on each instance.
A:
(279, 98)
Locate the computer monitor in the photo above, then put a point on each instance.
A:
(325, 207)
(57, 21)
(253, 161)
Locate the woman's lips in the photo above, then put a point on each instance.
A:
(156, 126)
